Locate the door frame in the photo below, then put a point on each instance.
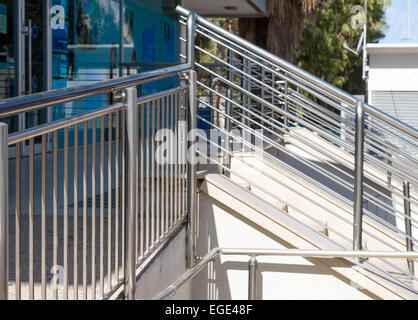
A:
(21, 72)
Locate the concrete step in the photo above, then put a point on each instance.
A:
(275, 185)
(372, 171)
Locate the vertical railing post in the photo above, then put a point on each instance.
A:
(231, 64)
(286, 107)
(408, 224)
(131, 194)
(191, 172)
(211, 100)
(252, 279)
(191, 125)
(389, 173)
(358, 176)
(4, 212)
(191, 21)
(227, 155)
(247, 102)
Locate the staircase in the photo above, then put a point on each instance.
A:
(297, 153)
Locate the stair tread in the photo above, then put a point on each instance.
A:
(377, 234)
(371, 171)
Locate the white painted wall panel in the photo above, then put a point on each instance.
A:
(278, 277)
(402, 105)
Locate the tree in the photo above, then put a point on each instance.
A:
(281, 32)
(321, 50)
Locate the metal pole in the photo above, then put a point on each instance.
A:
(358, 176)
(189, 274)
(252, 279)
(286, 107)
(121, 45)
(20, 48)
(389, 173)
(192, 124)
(47, 46)
(47, 71)
(364, 75)
(4, 212)
(212, 113)
(20, 56)
(231, 63)
(191, 173)
(29, 35)
(246, 101)
(408, 224)
(227, 156)
(190, 38)
(131, 190)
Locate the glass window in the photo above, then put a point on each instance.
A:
(86, 50)
(7, 60)
(150, 38)
(86, 45)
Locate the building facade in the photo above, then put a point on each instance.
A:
(55, 44)
(393, 80)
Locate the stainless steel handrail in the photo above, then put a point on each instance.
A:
(255, 82)
(13, 106)
(378, 141)
(301, 73)
(305, 123)
(189, 275)
(123, 154)
(80, 118)
(284, 150)
(276, 145)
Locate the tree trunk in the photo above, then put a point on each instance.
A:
(281, 32)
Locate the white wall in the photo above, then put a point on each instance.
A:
(393, 72)
(278, 277)
(215, 8)
(164, 270)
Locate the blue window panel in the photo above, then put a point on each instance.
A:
(205, 113)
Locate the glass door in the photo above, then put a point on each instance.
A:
(22, 50)
(33, 34)
(7, 57)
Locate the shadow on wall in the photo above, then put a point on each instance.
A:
(213, 277)
(270, 267)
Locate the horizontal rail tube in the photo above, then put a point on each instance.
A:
(172, 290)
(320, 253)
(300, 73)
(62, 124)
(388, 119)
(17, 105)
(78, 119)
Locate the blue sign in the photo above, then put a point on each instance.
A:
(3, 19)
(148, 44)
(35, 82)
(34, 32)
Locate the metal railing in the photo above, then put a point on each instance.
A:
(94, 194)
(98, 202)
(349, 150)
(171, 290)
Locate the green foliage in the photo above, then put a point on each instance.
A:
(328, 28)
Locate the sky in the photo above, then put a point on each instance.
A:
(396, 20)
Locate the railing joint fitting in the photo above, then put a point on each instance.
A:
(361, 260)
